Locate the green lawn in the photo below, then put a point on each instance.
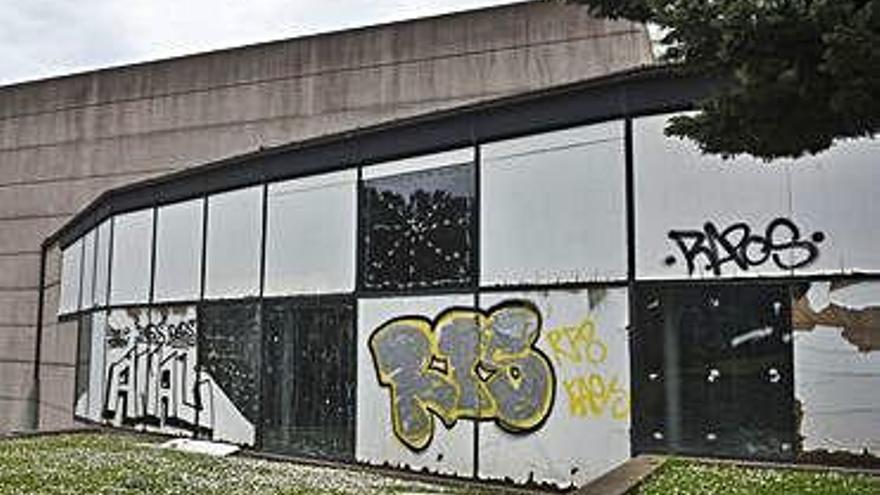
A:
(127, 464)
(680, 477)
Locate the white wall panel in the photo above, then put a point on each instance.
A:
(233, 246)
(419, 163)
(587, 431)
(132, 256)
(744, 217)
(553, 207)
(97, 366)
(179, 251)
(310, 244)
(837, 366)
(71, 269)
(450, 451)
(836, 193)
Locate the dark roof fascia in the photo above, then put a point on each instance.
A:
(637, 92)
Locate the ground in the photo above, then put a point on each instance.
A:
(126, 464)
(679, 477)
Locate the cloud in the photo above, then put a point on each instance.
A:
(44, 38)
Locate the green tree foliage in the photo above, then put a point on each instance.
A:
(803, 73)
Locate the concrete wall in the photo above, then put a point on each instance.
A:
(63, 141)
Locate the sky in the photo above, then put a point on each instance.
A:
(45, 38)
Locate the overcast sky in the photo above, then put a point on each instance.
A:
(43, 38)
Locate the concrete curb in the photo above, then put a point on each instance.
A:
(783, 466)
(624, 478)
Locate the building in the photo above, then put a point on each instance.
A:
(531, 289)
(65, 141)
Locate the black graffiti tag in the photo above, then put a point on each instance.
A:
(781, 244)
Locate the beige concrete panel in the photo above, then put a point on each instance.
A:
(56, 199)
(59, 343)
(20, 271)
(18, 307)
(50, 304)
(435, 79)
(15, 413)
(26, 235)
(56, 397)
(17, 343)
(18, 377)
(52, 276)
(490, 29)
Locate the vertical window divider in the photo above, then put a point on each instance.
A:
(264, 222)
(629, 165)
(475, 232)
(199, 329)
(263, 240)
(152, 295)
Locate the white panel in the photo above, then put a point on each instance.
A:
(587, 432)
(179, 251)
(233, 247)
(71, 269)
(553, 207)
(132, 254)
(819, 205)
(837, 366)
(88, 269)
(454, 157)
(836, 193)
(310, 244)
(450, 451)
(97, 366)
(102, 263)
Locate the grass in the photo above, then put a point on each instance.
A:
(680, 477)
(126, 464)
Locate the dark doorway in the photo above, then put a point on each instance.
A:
(712, 371)
(309, 377)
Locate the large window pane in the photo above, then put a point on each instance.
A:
(311, 233)
(234, 240)
(418, 225)
(88, 269)
(553, 207)
(179, 251)
(704, 356)
(230, 358)
(132, 253)
(309, 376)
(102, 263)
(71, 269)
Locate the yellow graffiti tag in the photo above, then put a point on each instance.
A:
(594, 395)
(577, 343)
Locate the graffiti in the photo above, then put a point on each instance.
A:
(592, 394)
(467, 364)
(151, 378)
(737, 244)
(578, 343)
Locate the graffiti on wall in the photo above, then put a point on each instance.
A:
(781, 244)
(151, 377)
(590, 393)
(466, 364)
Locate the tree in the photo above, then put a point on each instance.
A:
(803, 73)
